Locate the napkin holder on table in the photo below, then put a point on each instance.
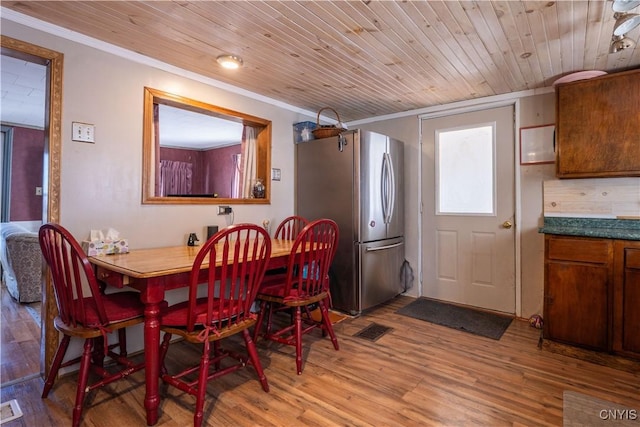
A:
(106, 242)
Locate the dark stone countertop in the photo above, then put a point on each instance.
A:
(621, 229)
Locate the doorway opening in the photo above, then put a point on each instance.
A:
(29, 54)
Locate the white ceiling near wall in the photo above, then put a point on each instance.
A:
(362, 58)
(23, 91)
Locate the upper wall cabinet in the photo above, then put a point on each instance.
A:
(598, 126)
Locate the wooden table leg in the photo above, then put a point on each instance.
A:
(151, 296)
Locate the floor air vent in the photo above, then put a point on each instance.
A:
(373, 332)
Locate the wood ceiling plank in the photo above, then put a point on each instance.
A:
(490, 30)
(431, 51)
(515, 28)
(485, 63)
(363, 58)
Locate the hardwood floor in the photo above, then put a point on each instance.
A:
(19, 340)
(418, 374)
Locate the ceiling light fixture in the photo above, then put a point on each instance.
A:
(231, 62)
(625, 22)
(625, 5)
(619, 43)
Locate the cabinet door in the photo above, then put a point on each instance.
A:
(627, 297)
(577, 286)
(597, 126)
(576, 304)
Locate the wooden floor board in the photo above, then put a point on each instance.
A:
(418, 374)
(19, 339)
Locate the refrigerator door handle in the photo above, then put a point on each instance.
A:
(384, 189)
(392, 188)
(382, 248)
(388, 195)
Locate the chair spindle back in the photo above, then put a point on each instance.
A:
(242, 251)
(311, 256)
(74, 281)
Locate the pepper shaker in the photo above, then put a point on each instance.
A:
(193, 238)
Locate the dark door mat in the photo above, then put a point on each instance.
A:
(373, 332)
(477, 322)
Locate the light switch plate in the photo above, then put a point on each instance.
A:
(83, 132)
(276, 174)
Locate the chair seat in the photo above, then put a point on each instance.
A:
(176, 315)
(121, 306)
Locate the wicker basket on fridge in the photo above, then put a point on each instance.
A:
(326, 131)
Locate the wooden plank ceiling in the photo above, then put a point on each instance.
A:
(363, 58)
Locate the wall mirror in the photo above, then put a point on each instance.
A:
(198, 153)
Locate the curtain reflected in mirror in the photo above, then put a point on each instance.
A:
(249, 164)
(175, 178)
(237, 168)
(204, 154)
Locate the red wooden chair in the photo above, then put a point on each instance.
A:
(222, 311)
(305, 284)
(290, 227)
(86, 312)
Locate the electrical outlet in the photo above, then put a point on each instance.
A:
(224, 210)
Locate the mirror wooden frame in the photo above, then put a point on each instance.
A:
(151, 150)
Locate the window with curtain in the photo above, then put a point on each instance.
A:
(175, 177)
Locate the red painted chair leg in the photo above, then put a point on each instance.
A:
(82, 381)
(298, 332)
(216, 355)
(327, 326)
(270, 307)
(255, 360)
(122, 342)
(55, 366)
(202, 385)
(258, 325)
(164, 347)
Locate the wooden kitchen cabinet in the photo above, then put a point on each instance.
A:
(578, 276)
(597, 123)
(592, 293)
(626, 315)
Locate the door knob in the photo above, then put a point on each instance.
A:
(507, 224)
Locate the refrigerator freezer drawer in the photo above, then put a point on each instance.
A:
(379, 273)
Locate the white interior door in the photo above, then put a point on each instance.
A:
(468, 195)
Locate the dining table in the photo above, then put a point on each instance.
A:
(152, 272)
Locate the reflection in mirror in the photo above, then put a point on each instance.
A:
(198, 153)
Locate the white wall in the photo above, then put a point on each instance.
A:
(534, 111)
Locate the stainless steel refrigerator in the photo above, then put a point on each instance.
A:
(356, 179)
